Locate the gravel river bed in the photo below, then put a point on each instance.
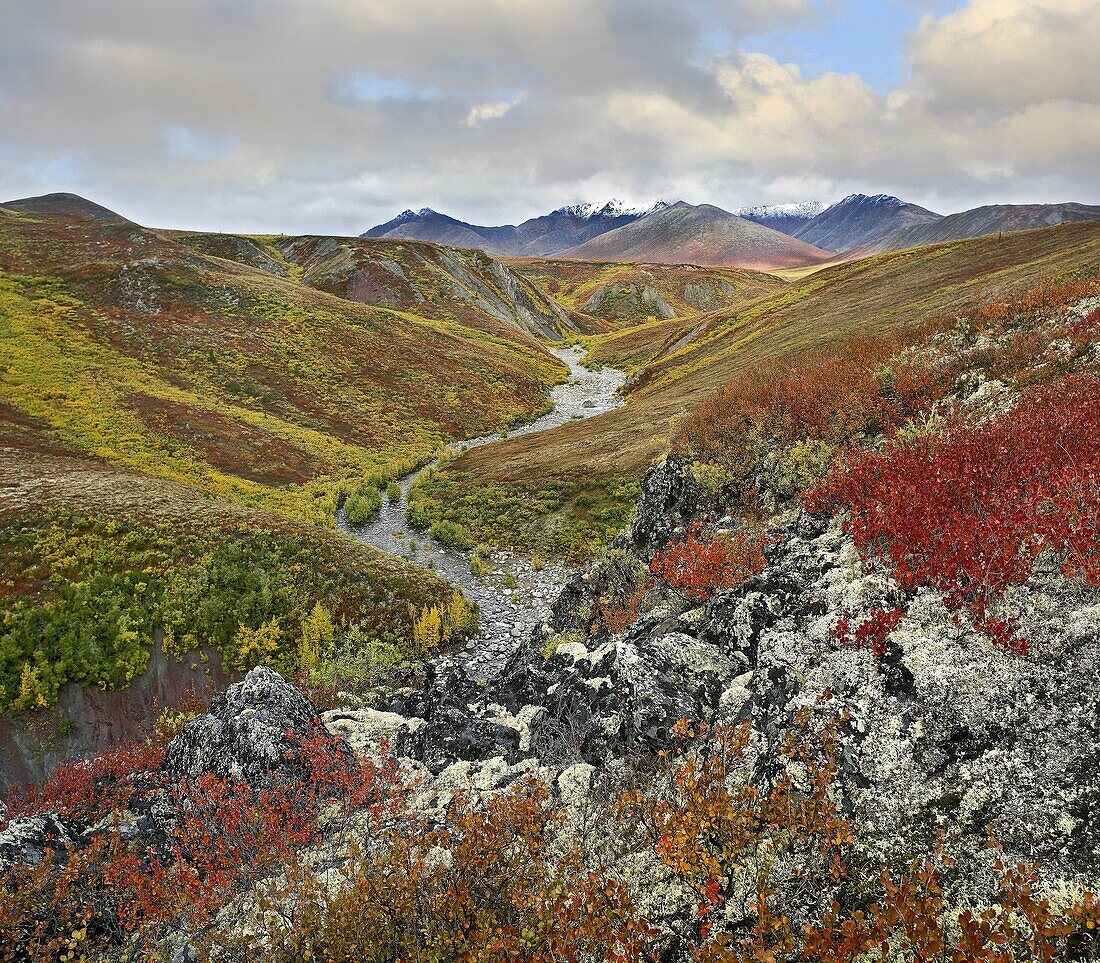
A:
(507, 614)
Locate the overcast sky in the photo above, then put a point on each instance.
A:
(329, 116)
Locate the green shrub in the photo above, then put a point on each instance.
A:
(451, 534)
(363, 504)
(393, 492)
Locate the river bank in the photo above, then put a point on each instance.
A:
(514, 595)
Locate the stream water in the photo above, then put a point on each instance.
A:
(507, 614)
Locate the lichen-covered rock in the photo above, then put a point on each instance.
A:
(250, 732)
(26, 839)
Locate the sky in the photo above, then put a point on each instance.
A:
(329, 116)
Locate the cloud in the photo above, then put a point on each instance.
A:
(491, 110)
(331, 115)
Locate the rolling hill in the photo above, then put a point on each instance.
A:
(992, 219)
(65, 205)
(123, 343)
(626, 294)
(678, 363)
(701, 234)
(861, 221)
(453, 284)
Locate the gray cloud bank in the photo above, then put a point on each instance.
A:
(330, 115)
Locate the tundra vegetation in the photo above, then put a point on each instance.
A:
(955, 431)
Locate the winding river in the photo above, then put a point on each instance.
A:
(507, 613)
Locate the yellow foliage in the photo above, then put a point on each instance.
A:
(317, 636)
(257, 646)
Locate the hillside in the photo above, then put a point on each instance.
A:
(678, 363)
(124, 343)
(860, 221)
(993, 219)
(108, 577)
(700, 234)
(65, 205)
(446, 284)
(546, 234)
(628, 294)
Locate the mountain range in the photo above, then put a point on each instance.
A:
(549, 234)
(750, 237)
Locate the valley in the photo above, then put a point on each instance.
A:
(319, 549)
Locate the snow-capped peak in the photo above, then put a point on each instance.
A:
(806, 209)
(611, 208)
(410, 215)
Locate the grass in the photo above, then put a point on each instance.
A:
(234, 380)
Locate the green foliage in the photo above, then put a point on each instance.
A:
(393, 492)
(562, 519)
(451, 534)
(81, 599)
(363, 504)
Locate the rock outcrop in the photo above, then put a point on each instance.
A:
(944, 730)
(251, 732)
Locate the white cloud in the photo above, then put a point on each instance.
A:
(491, 110)
(330, 115)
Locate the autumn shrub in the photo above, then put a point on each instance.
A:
(88, 788)
(871, 633)
(972, 511)
(778, 427)
(776, 873)
(116, 895)
(699, 565)
(496, 882)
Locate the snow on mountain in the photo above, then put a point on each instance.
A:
(611, 208)
(804, 209)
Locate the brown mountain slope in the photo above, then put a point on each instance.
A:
(65, 205)
(992, 219)
(700, 234)
(627, 294)
(444, 283)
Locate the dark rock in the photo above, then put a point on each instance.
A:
(250, 732)
(26, 839)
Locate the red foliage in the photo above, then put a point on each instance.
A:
(970, 513)
(89, 787)
(871, 632)
(700, 566)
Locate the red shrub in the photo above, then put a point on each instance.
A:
(698, 566)
(89, 787)
(871, 632)
(970, 512)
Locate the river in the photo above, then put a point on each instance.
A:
(507, 614)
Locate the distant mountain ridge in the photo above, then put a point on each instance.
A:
(699, 234)
(980, 221)
(535, 237)
(861, 220)
(787, 218)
